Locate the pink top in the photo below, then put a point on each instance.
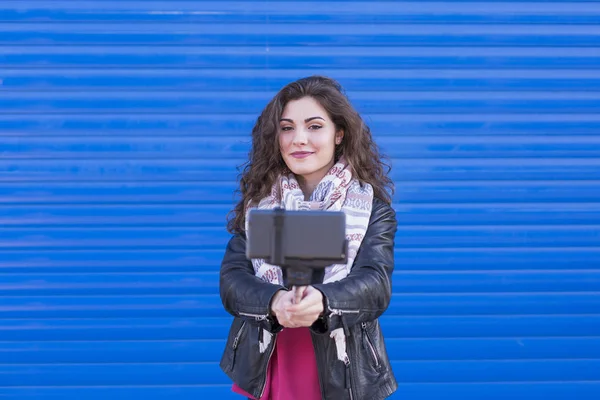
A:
(292, 372)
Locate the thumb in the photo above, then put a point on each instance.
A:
(299, 292)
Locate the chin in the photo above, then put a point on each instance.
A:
(302, 170)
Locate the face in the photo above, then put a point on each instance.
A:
(307, 140)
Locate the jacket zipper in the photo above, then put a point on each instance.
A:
(340, 312)
(370, 344)
(264, 385)
(336, 311)
(235, 344)
(262, 317)
(349, 380)
(257, 317)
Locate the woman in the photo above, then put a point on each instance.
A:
(311, 150)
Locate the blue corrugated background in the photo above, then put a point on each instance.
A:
(121, 123)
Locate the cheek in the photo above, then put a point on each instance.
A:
(283, 142)
(326, 144)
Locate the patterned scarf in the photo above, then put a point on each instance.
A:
(338, 190)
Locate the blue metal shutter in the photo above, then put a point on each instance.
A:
(121, 124)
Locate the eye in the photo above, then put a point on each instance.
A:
(315, 127)
(286, 128)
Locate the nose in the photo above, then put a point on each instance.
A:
(300, 137)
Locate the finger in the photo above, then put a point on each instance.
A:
(305, 321)
(299, 292)
(292, 323)
(288, 324)
(307, 291)
(300, 309)
(311, 295)
(285, 319)
(303, 318)
(305, 312)
(309, 303)
(288, 299)
(281, 312)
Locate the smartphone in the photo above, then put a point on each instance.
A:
(312, 238)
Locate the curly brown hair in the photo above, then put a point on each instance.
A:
(265, 163)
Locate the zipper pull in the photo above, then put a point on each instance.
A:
(257, 317)
(235, 345)
(347, 375)
(341, 315)
(348, 383)
(335, 311)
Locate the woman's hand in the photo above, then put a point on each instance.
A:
(306, 312)
(296, 315)
(281, 301)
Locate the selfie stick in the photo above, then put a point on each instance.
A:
(299, 274)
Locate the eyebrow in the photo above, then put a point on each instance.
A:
(305, 121)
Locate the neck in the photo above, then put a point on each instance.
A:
(308, 186)
(308, 183)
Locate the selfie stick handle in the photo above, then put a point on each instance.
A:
(299, 277)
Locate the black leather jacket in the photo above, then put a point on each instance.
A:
(354, 303)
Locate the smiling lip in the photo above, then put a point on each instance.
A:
(301, 154)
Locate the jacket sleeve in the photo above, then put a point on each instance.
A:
(243, 294)
(365, 293)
